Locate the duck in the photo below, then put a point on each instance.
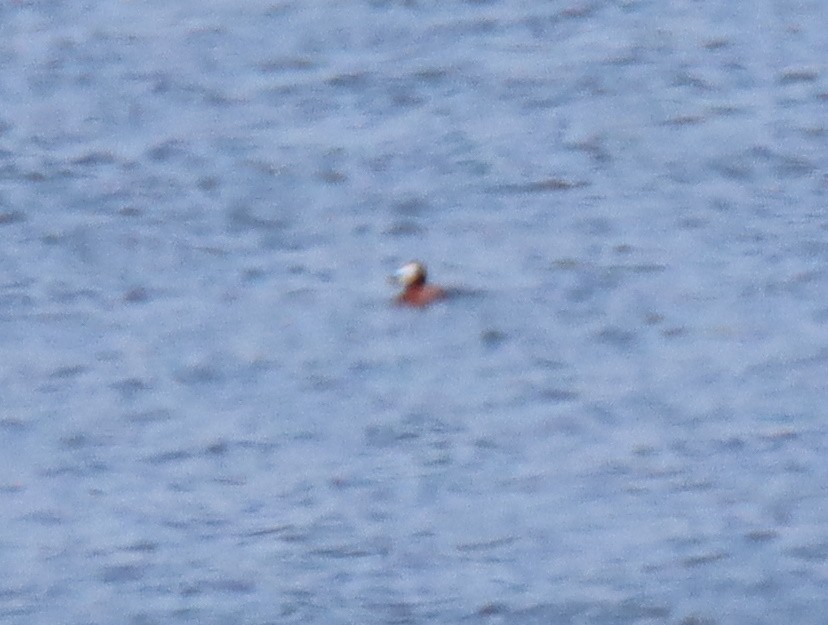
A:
(416, 293)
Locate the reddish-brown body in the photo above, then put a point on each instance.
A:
(420, 295)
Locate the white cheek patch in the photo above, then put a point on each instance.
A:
(406, 274)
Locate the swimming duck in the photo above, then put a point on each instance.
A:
(412, 278)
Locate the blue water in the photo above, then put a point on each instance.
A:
(211, 413)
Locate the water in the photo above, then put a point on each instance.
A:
(210, 412)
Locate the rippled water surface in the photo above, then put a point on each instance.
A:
(210, 412)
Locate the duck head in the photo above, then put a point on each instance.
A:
(410, 275)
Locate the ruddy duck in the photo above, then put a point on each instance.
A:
(412, 278)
